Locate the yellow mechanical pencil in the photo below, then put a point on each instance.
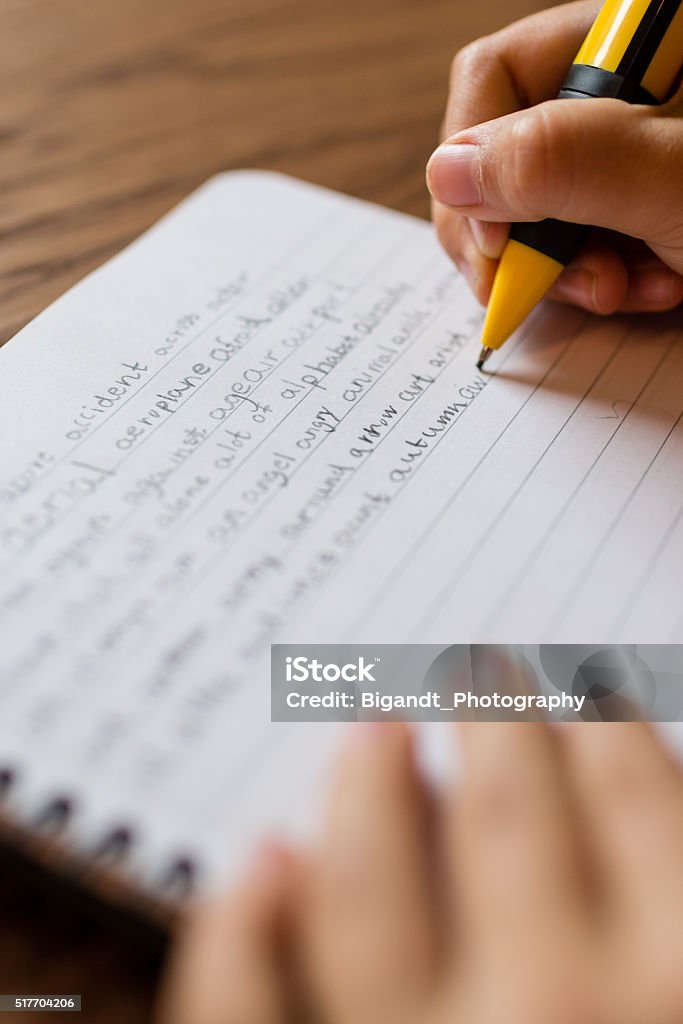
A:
(633, 52)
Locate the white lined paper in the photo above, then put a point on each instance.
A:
(302, 450)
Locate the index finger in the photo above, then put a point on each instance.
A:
(226, 967)
(520, 66)
(518, 878)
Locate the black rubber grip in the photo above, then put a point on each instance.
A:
(556, 238)
(587, 82)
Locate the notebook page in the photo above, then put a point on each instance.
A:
(262, 422)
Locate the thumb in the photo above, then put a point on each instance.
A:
(603, 162)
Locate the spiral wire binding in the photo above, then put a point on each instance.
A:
(180, 878)
(54, 816)
(7, 778)
(39, 850)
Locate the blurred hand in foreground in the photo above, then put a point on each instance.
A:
(546, 885)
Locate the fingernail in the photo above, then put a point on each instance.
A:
(375, 733)
(656, 286)
(490, 237)
(478, 229)
(270, 859)
(454, 174)
(579, 286)
(369, 731)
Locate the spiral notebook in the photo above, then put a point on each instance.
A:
(263, 422)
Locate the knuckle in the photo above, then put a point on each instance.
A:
(539, 158)
(666, 218)
(468, 62)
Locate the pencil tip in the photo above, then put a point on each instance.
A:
(483, 356)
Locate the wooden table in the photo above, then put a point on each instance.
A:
(113, 111)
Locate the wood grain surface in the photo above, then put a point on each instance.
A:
(110, 112)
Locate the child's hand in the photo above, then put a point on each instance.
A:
(600, 162)
(548, 886)
(228, 967)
